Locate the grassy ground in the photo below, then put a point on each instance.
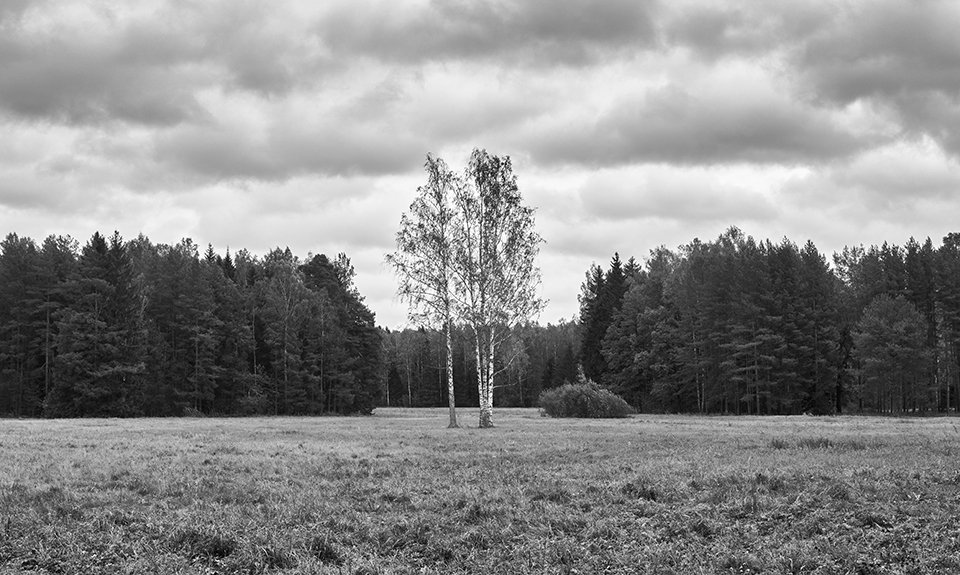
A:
(399, 493)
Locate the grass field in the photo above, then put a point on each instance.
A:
(400, 493)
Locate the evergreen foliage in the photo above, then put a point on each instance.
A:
(131, 328)
(740, 326)
(889, 341)
(733, 325)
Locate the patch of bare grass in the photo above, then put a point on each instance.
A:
(399, 493)
(821, 442)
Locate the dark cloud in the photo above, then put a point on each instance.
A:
(901, 57)
(12, 10)
(673, 125)
(883, 49)
(131, 72)
(150, 68)
(743, 29)
(513, 32)
(87, 85)
(262, 49)
(287, 150)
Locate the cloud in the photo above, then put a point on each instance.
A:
(905, 57)
(903, 179)
(89, 70)
(12, 11)
(82, 85)
(731, 115)
(742, 29)
(660, 192)
(882, 49)
(285, 148)
(902, 173)
(22, 191)
(148, 64)
(900, 57)
(519, 33)
(472, 103)
(631, 124)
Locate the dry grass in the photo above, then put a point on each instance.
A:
(399, 493)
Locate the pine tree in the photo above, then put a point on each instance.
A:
(58, 271)
(21, 313)
(890, 341)
(284, 307)
(99, 363)
(230, 337)
(819, 330)
(350, 345)
(592, 324)
(948, 319)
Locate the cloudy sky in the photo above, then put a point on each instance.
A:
(250, 124)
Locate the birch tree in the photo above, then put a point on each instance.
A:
(423, 259)
(496, 248)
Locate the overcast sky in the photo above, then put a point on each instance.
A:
(250, 124)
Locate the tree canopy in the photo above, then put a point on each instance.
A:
(124, 328)
(741, 326)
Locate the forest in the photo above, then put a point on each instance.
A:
(131, 328)
(740, 326)
(733, 325)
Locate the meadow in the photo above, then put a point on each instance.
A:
(397, 492)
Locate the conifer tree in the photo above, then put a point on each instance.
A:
(99, 363)
(592, 322)
(20, 326)
(890, 341)
(58, 270)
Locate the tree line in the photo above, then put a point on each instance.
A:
(128, 328)
(747, 327)
(535, 358)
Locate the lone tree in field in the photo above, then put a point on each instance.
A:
(466, 251)
(496, 247)
(423, 260)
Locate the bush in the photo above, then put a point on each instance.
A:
(586, 399)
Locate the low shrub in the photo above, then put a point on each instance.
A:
(586, 399)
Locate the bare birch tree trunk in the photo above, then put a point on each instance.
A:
(483, 383)
(491, 350)
(451, 397)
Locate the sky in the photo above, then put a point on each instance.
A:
(250, 124)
